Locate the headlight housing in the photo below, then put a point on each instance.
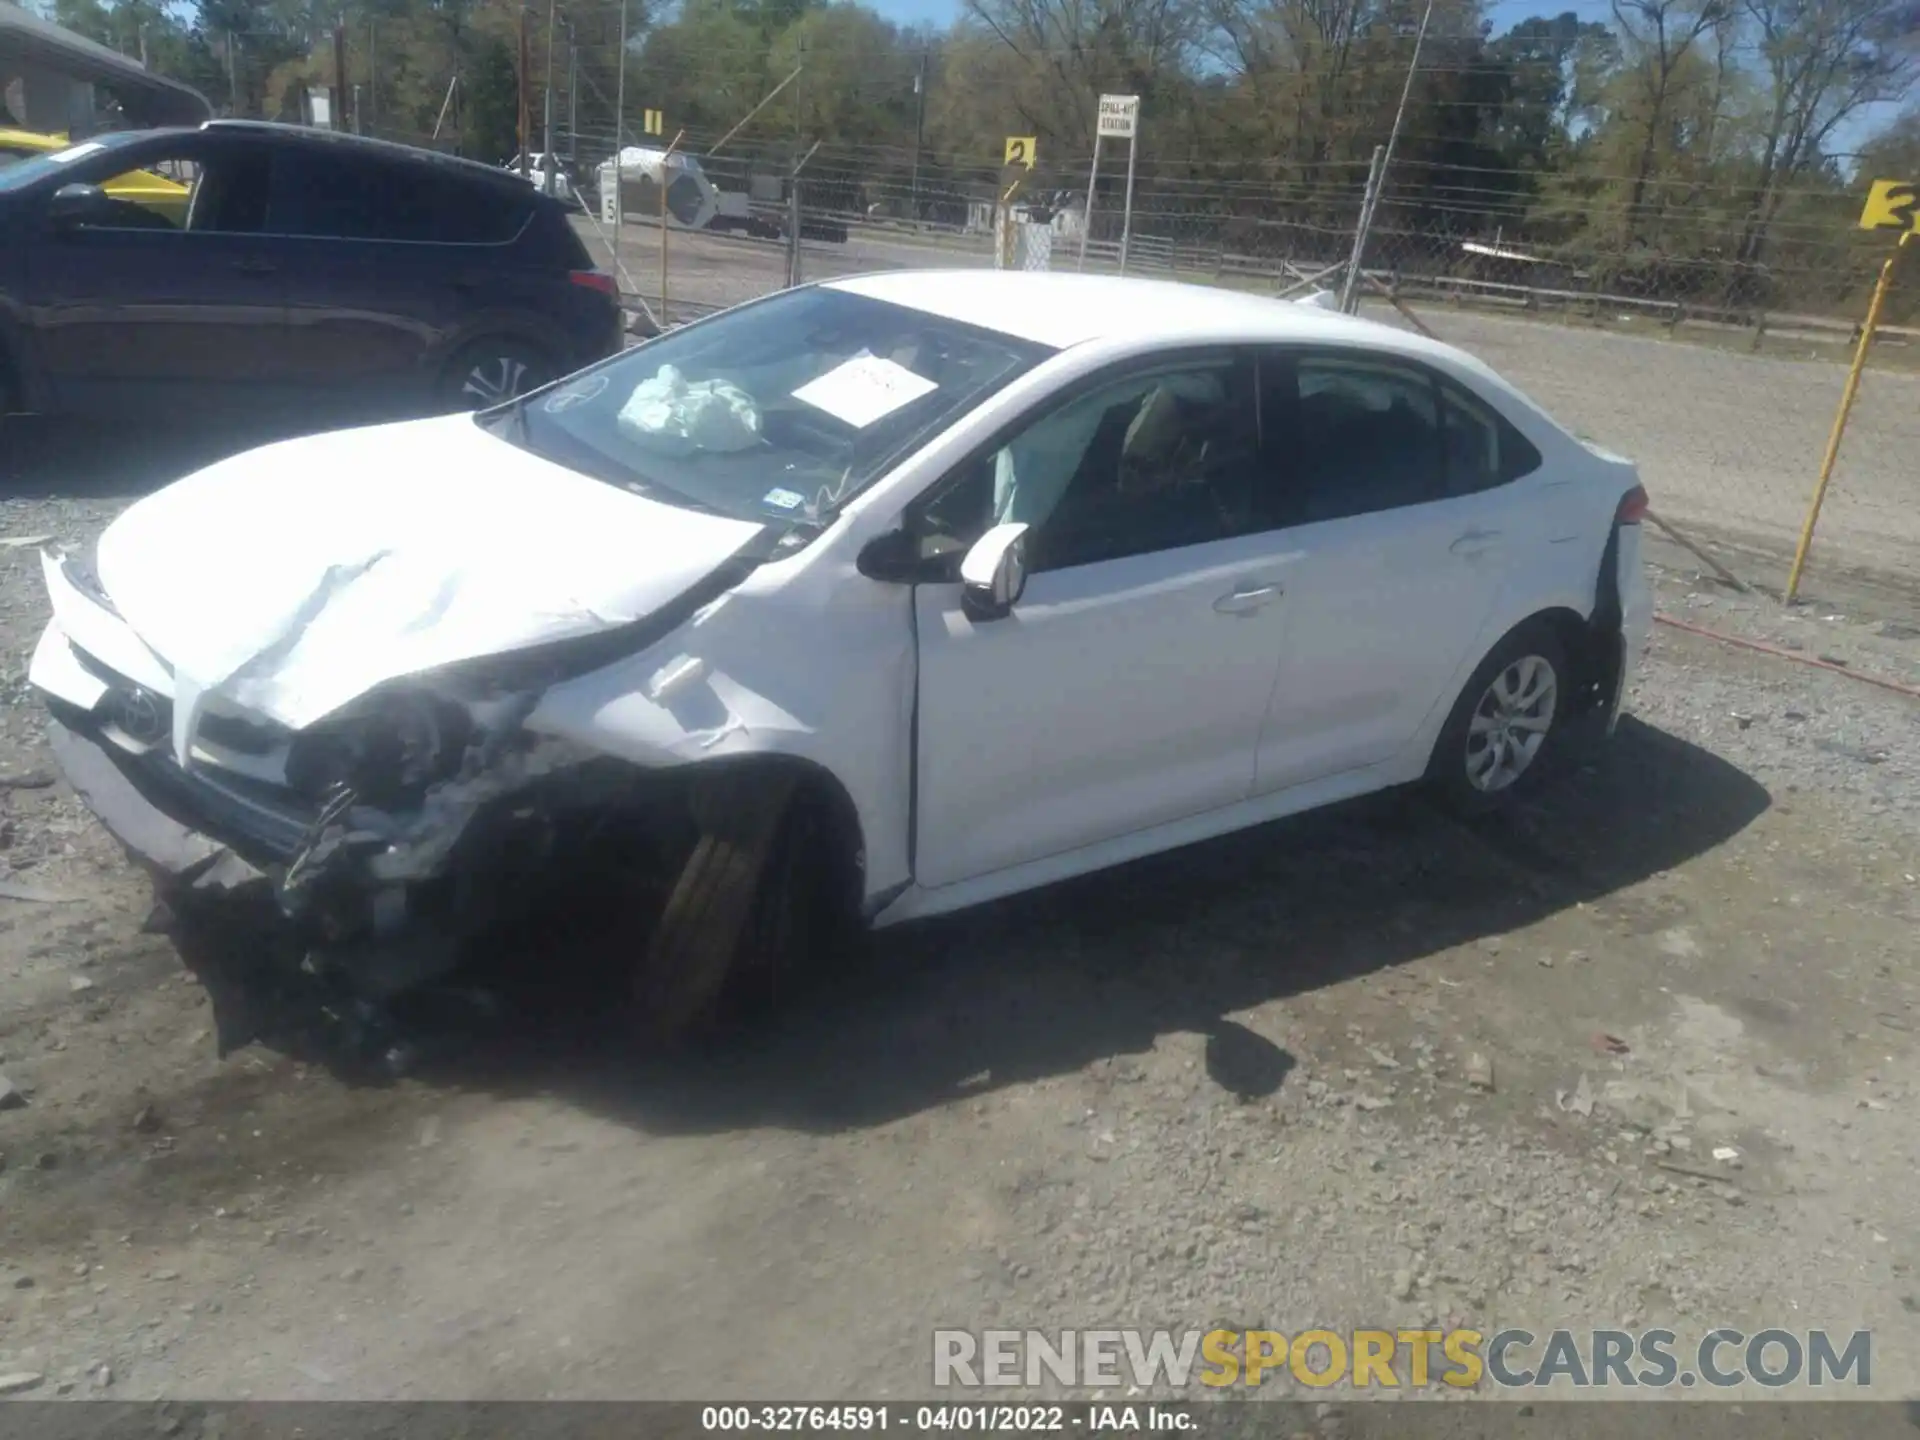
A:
(389, 748)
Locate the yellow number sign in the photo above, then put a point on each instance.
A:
(1892, 205)
(653, 122)
(1021, 150)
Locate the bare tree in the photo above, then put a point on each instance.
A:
(1663, 33)
(1824, 60)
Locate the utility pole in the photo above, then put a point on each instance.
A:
(919, 133)
(233, 83)
(373, 80)
(526, 113)
(546, 144)
(620, 140)
(573, 103)
(340, 97)
(1377, 180)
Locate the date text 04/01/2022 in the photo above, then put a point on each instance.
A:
(1084, 1419)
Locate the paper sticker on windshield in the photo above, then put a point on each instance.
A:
(76, 152)
(783, 499)
(577, 392)
(864, 389)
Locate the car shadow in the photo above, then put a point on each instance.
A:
(1045, 983)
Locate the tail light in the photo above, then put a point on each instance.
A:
(595, 280)
(1633, 507)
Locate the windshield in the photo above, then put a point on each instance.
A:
(23, 173)
(784, 409)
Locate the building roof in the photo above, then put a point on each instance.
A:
(147, 98)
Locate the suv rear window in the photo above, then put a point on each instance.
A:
(359, 198)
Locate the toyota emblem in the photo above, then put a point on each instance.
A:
(139, 715)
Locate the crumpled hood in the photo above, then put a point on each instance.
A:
(293, 578)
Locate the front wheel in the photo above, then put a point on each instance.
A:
(491, 372)
(755, 902)
(1504, 730)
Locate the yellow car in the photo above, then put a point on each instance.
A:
(164, 197)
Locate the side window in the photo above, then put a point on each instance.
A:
(351, 197)
(1484, 450)
(223, 192)
(1366, 437)
(1156, 461)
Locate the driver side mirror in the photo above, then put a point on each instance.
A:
(74, 205)
(993, 576)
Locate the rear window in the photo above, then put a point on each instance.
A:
(351, 197)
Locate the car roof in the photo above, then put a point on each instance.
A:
(1065, 310)
(454, 166)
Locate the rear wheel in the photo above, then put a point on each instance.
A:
(1505, 729)
(493, 371)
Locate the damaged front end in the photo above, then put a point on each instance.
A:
(390, 838)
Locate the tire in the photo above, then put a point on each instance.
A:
(739, 902)
(1507, 728)
(492, 371)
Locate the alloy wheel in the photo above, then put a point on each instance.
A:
(495, 381)
(1510, 723)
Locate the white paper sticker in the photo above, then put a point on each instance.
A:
(76, 152)
(864, 389)
(783, 499)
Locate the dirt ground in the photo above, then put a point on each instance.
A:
(1230, 1085)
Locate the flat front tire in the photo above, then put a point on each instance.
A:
(1506, 727)
(731, 898)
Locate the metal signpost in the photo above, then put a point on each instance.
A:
(1894, 206)
(1022, 153)
(1120, 118)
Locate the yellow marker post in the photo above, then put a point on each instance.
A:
(1880, 289)
(665, 160)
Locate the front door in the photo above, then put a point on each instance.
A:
(135, 311)
(1126, 689)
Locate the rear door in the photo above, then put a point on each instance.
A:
(392, 262)
(1397, 492)
(134, 311)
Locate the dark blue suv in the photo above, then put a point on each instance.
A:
(327, 275)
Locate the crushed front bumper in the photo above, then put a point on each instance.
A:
(204, 844)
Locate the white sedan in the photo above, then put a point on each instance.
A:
(866, 601)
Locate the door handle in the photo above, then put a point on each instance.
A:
(1246, 601)
(255, 267)
(1474, 542)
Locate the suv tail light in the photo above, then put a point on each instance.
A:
(595, 280)
(1633, 507)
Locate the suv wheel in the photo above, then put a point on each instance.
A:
(492, 372)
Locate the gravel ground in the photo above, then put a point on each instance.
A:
(1363, 1068)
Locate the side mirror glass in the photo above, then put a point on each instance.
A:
(73, 205)
(993, 577)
